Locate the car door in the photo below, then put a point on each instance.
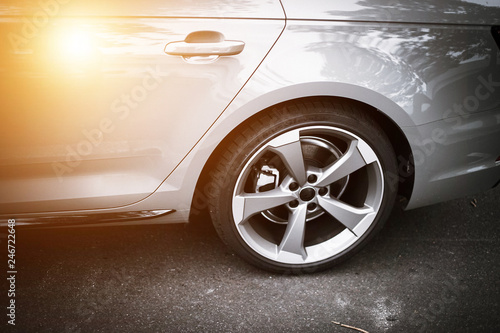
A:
(95, 113)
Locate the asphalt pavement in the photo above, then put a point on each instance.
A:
(433, 269)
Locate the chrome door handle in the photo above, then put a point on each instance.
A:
(204, 43)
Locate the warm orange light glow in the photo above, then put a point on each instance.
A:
(73, 47)
(76, 43)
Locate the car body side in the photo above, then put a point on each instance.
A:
(431, 75)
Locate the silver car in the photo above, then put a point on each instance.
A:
(295, 124)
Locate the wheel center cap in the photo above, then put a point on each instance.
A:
(307, 194)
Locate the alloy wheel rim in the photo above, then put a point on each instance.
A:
(323, 185)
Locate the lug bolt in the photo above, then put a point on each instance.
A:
(312, 178)
(294, 204)
(294, 187)
(311, 206)
(323, 191)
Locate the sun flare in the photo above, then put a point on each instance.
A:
(76, 44)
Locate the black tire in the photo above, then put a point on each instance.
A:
(260, 166)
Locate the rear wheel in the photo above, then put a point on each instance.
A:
(302, 187)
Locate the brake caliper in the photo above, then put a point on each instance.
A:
(267, 179)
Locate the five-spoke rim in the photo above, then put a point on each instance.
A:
(325, 182)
